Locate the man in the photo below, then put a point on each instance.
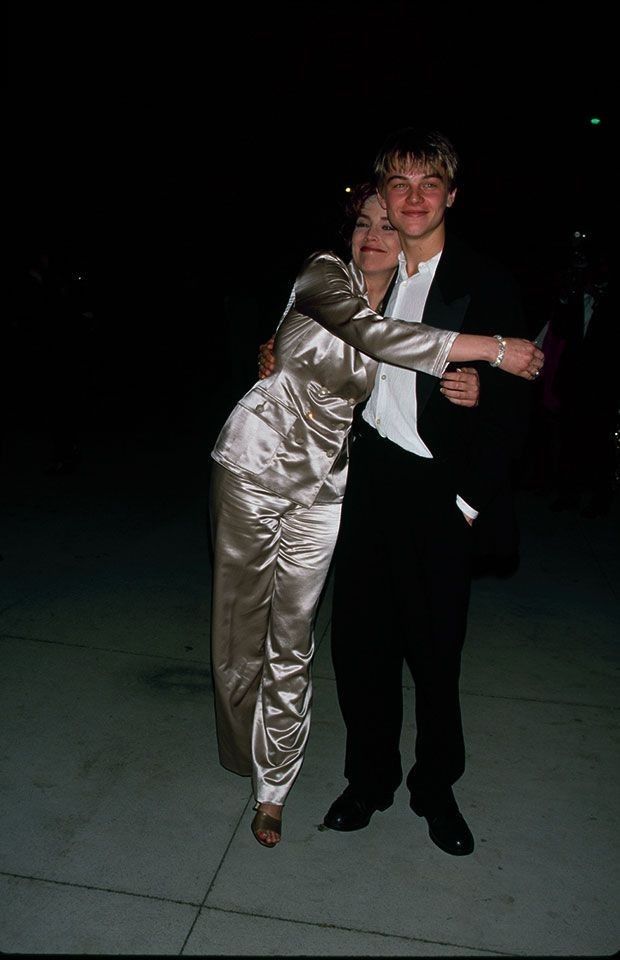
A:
(421, 471)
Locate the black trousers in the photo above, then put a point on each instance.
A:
(401, 594)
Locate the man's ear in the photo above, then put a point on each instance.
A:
(451, 197)
(381, 200)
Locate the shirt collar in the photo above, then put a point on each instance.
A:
(427, 267)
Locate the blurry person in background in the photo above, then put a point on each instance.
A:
(54, 327)
(573, 451)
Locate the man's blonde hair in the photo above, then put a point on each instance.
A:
(412, 148)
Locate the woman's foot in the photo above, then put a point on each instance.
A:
(267, 824)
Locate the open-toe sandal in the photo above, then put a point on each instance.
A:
(262, 822)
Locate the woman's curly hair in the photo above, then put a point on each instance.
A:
(356, 199)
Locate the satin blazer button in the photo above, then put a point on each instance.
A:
(341, 426)
(329, 453)
(351, 401)
(322, 391)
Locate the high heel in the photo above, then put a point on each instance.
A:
(262, 822)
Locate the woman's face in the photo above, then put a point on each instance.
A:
(374, 245)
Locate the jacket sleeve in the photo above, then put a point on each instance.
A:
(325, 292)
(504, 410)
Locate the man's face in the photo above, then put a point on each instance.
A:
(415, 200)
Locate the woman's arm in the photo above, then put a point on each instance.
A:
(325, 292)
(461, 386)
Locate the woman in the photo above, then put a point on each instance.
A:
(276, 493)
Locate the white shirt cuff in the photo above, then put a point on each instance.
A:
(465, 508)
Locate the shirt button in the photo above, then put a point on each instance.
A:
(329, 453)
(259, 407)
(378, 420)
(309, 415)
(341, 426)
(383, 376)
(322, 391)
(351, 401)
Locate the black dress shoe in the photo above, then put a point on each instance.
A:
(450, 832)
(351, 811)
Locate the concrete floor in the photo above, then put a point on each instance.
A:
(122, 834)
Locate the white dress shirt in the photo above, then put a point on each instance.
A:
(392, 405)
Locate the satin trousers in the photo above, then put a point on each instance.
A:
(271, 559)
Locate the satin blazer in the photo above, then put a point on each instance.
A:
(288, 433)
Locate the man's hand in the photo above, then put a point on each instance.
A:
(266, 359)
(461, 386)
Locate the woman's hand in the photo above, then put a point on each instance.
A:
(266, 359)
(522, 358)
(461, 386)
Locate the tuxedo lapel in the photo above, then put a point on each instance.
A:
(445, 308)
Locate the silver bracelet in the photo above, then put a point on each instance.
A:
(501, 353)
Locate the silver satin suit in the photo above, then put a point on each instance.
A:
(276, 492)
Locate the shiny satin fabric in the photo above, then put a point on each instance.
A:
(275, 508)
(271, 558)
(289, 431)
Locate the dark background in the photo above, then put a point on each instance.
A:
(188, 162)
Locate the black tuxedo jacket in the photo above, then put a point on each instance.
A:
(472, 294)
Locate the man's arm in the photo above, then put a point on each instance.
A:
(503, 413)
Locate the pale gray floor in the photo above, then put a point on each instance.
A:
(121, 834)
